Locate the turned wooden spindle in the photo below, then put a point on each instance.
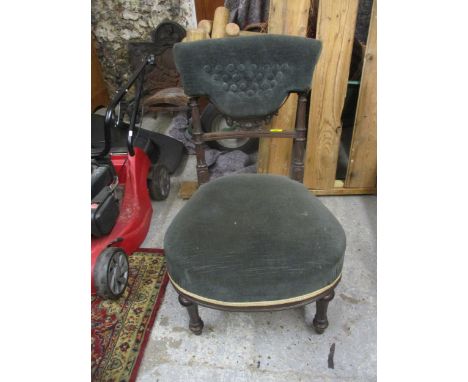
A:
(300, 139)
(202, 169)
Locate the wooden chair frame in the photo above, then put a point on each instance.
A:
(252, 129)
(255, 129)
(320, 321)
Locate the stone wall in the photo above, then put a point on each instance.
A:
(115, 22)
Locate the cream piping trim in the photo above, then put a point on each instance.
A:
(257, 303)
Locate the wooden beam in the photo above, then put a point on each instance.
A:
(362, 166)
(206, 25)
(232, 30)
(246, 134)
(263, 155)
(291, 18)
(188, 188)
(335, 28)
(249, 33)
(196, 35)
(346, 191)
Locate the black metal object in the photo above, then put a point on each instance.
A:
(102, 174)
(164, 74)
(104, 211)
(163, 149)
(110, 118)
(130, 137)
(158, 147)
(168, 33)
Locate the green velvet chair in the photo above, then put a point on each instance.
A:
(252, 242)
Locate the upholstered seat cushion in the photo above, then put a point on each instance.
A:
(254, 239)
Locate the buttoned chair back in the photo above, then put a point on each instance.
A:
(248, 79)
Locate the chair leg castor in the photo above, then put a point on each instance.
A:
(320, 320)
(196, 323)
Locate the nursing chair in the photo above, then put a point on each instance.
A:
(252, 242)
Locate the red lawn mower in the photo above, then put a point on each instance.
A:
(128, 166)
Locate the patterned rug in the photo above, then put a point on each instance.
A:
(120, 328)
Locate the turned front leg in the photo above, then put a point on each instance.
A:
(196, 323)
(321, 320)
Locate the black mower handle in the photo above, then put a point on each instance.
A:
(120, 94)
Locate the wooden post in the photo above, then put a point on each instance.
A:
(232, 30)
(335, 28)
(249, 33)
(362, 166)
(291, 18)
(206, 25)
(220, 20)
(196, 34)
(202, 169)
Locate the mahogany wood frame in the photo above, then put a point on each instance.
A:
(320, 321)
(255, 130)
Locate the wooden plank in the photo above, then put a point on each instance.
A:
(263, 155)
(362, 166)
(346, 191)
(338, 183)
(335, 28)
(291, 18)
(196, 34)
(170, 96)
(249, 33)
(246, 134)
(187, 189)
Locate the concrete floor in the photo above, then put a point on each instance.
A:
(275, 346)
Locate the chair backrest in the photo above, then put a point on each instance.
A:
(247, 77)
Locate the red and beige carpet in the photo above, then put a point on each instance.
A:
(120, 328)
